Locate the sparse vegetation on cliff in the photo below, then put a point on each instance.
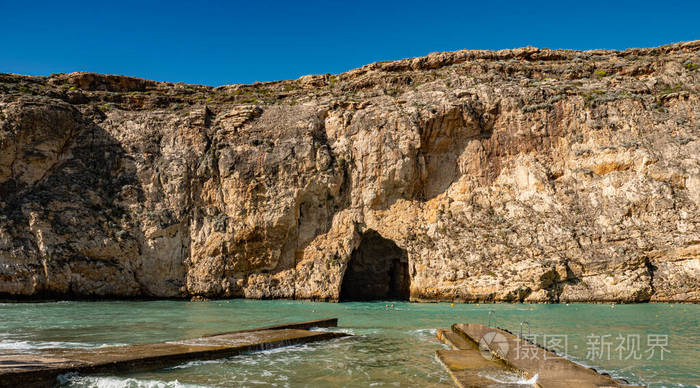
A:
(512, 175)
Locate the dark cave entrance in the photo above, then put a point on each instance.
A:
(377, 270)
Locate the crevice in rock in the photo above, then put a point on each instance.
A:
(377, 270)
(651, 269)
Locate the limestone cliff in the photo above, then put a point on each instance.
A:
(514, 175)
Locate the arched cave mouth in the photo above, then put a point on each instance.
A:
(377, 270)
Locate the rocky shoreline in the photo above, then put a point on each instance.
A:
(524, 175)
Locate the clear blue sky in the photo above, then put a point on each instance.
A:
(217, 43)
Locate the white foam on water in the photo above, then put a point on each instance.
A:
(363, 332)
(293, 353)
(344, 330)
(8, 344)
(15, 345)
(77, 381)
(192, 364)
(431, 332)
(508, 378)
(30, 345)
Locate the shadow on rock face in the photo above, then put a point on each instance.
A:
(68, 209)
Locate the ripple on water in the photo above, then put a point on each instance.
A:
(389, 345)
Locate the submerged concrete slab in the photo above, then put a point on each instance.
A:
(41, 370)
(468, 368)
(552, 370)
(306, 325)
(456, 341)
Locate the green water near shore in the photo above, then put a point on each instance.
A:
(390, 346)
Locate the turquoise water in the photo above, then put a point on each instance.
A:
(390, 346)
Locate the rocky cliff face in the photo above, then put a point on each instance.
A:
(514, 175)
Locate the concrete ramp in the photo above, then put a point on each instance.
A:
(469, 368)
(42, 370)
(482, 351)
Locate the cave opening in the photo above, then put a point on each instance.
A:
(377, 270)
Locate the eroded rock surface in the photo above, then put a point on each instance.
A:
(514, 175)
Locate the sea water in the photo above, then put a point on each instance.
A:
(393, 343)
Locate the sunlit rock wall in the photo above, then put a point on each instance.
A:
(514, 175)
